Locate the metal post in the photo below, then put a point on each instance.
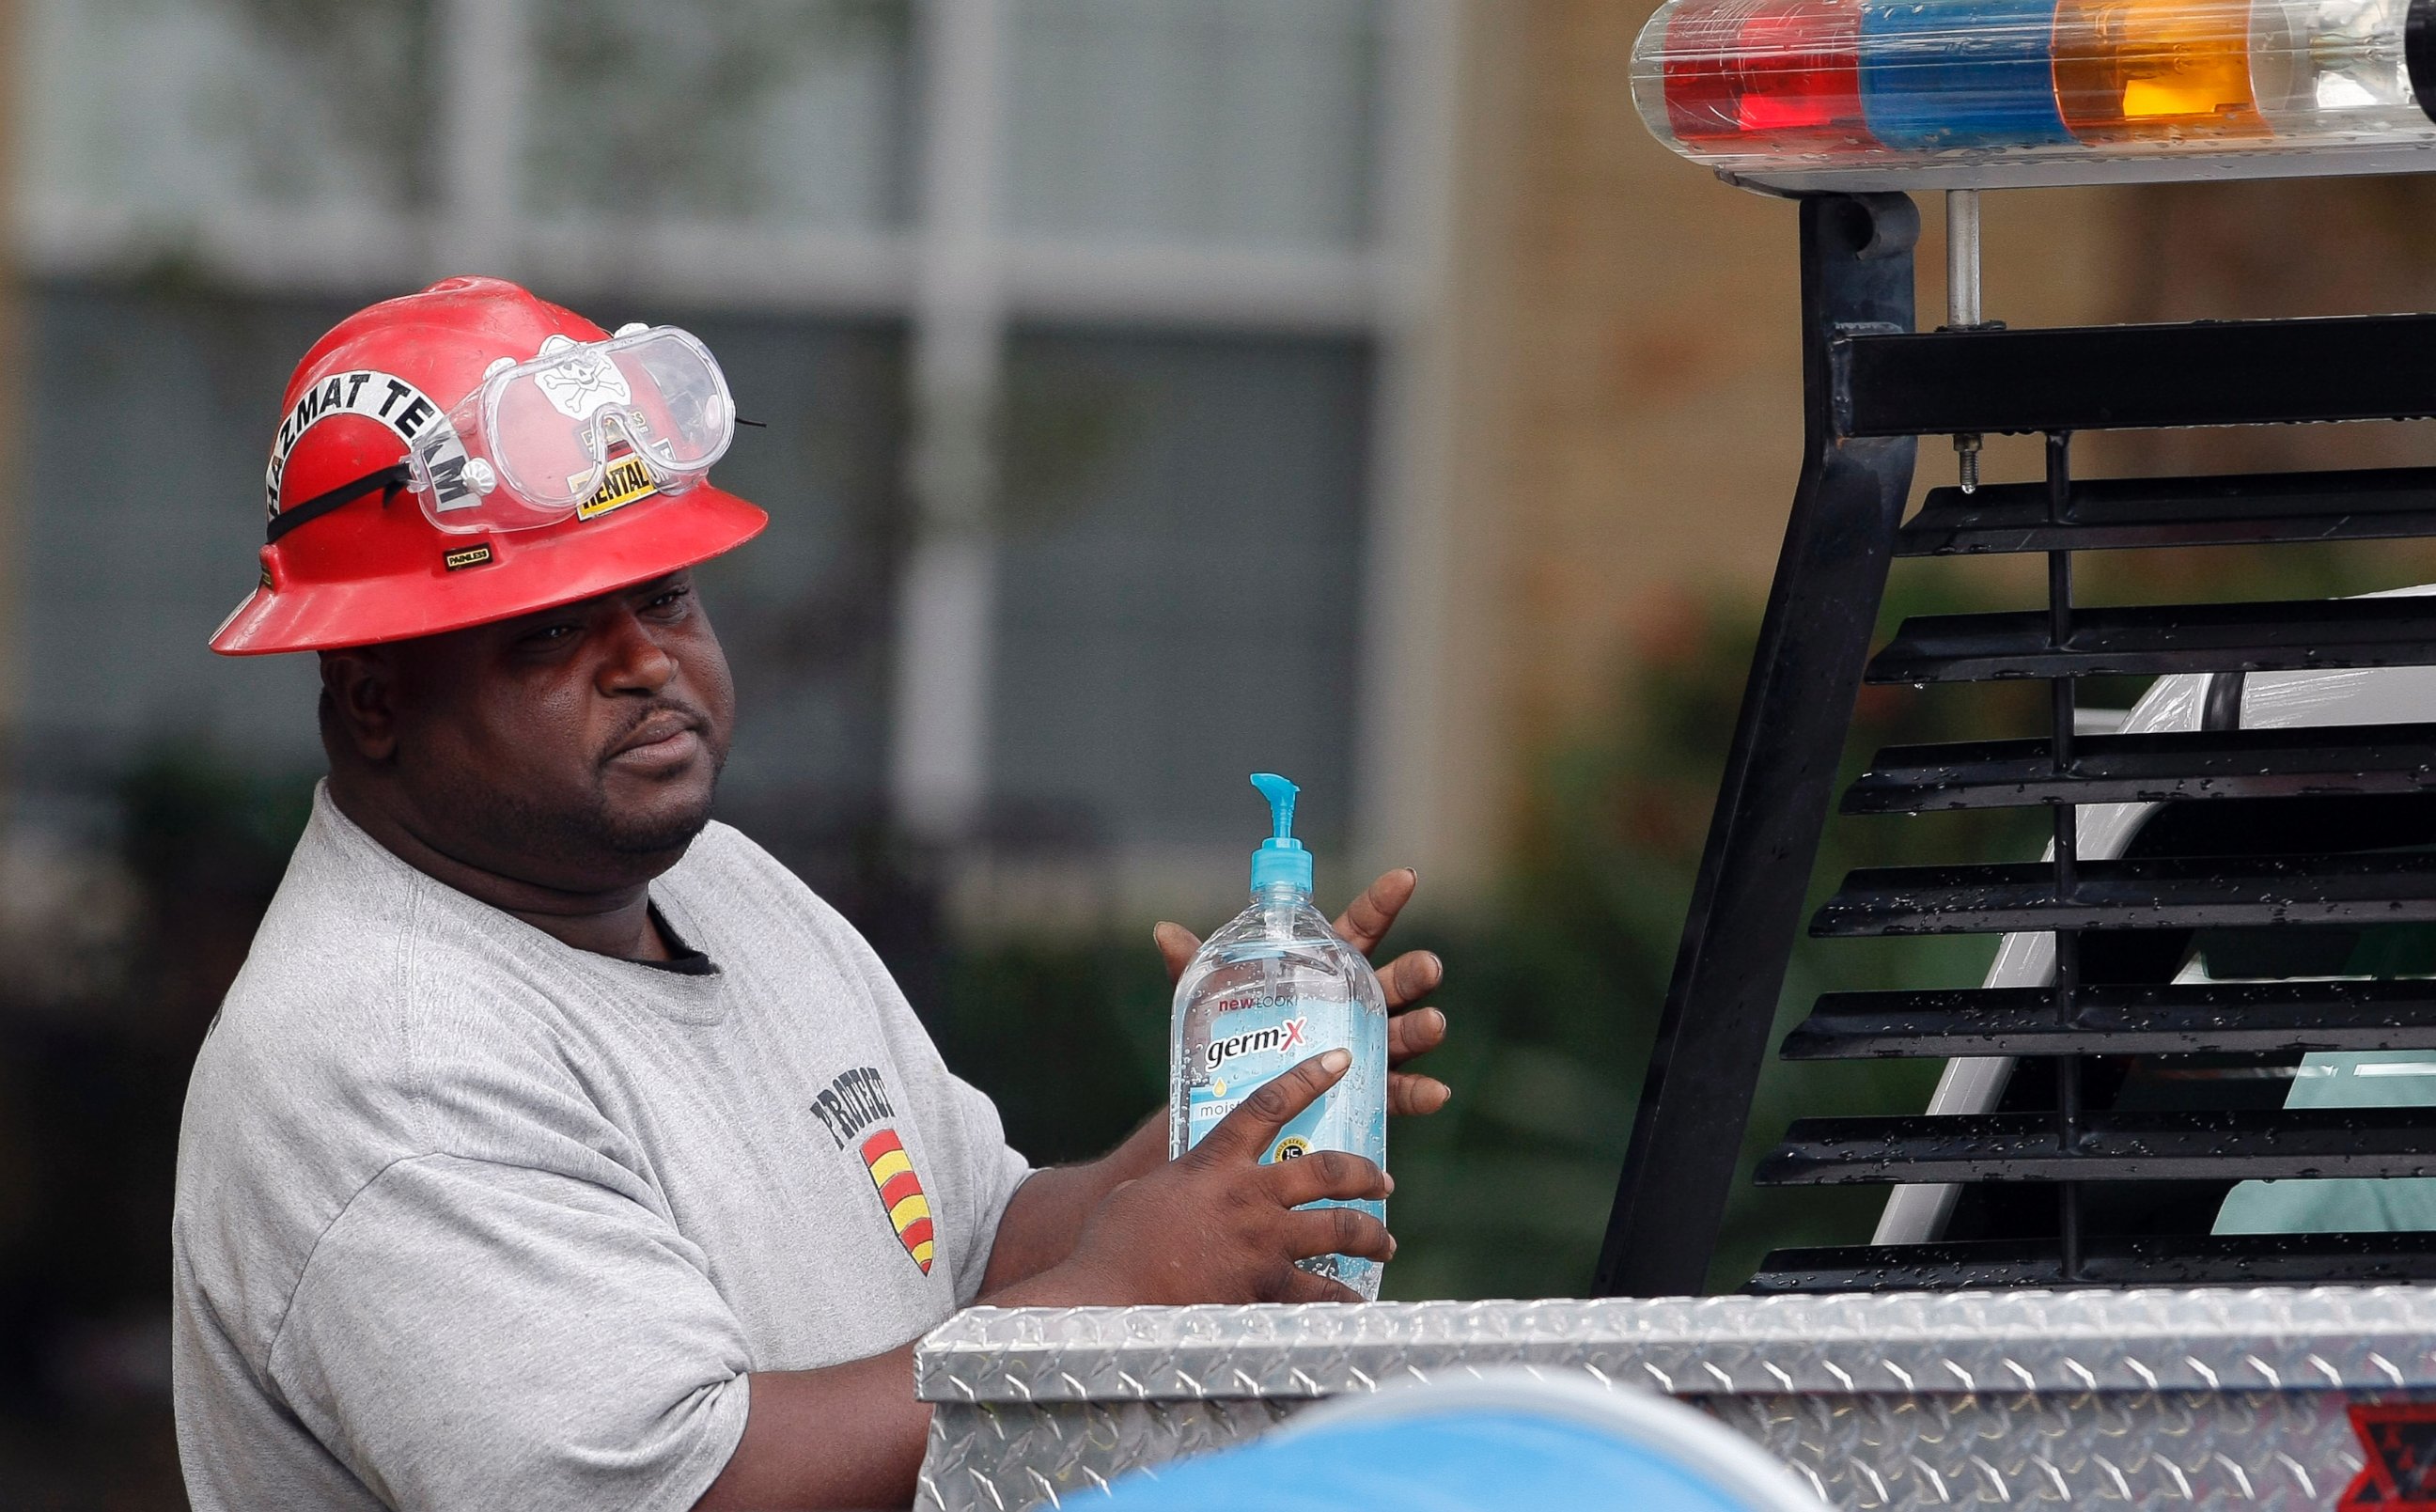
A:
(1963, 258)
(2063, 701)
(947, 611)
(485, 92)
(1962, 300)
(1418, 804)
(1856, 275)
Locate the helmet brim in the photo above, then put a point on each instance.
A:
(528, 571)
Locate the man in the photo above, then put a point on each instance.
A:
(556, 1147)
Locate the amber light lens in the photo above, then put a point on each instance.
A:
(2127, 70)
(1773, 72)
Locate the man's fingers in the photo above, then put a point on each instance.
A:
(1338, 1232)
(1328, 1174)
(1417, 1033)
(1299, 1285)
(1245, 1133)
(1175, 947)
(1410, 977)
(1366, 921)
(1410, 1095)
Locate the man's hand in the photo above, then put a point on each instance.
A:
(1216, 1225)
(1039, 1226)
(1407, 980)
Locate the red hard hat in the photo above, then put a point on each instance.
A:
(378, 569)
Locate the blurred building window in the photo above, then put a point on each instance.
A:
(147, 408)
(806, 612)
(1247, 122)
(147, 119)
(1180, 546)
(784, 113)
(1069, 319)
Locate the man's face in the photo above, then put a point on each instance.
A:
(578, 748)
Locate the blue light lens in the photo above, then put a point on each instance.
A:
(1945, 74)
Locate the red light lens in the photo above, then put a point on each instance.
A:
(1786, 71)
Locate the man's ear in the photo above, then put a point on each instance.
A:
(359, 703)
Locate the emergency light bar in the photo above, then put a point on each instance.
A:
(1860, 95)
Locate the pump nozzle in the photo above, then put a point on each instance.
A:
(1282, 795)
(1281, 857)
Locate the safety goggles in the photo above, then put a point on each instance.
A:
(579, 429)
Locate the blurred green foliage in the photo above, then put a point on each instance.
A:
(1554, 983)
(92, 1074)
(1552, 988)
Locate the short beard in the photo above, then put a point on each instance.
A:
(583, 836)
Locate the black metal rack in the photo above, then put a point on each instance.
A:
(1873, 385)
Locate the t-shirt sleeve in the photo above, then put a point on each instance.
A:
(993, 1169)
(478, 1335)
(954, 1112)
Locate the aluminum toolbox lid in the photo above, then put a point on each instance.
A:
(2210, 1339)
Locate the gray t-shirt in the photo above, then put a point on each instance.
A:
(469, 1219)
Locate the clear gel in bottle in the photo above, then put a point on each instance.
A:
(1273, 988)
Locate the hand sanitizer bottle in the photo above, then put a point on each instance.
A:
(1273, 988)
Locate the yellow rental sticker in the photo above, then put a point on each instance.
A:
(626, 480)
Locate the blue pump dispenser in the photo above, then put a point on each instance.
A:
(1281, 857)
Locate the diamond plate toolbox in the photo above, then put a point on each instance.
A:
(2210, 1399)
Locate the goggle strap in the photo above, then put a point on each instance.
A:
(389, 479)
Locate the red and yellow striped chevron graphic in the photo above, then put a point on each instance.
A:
(900, 1192)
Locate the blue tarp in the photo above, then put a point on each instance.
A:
(1463, 1462)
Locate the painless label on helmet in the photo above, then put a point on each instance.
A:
(473, 556)
(386, 398)
(625, 480)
